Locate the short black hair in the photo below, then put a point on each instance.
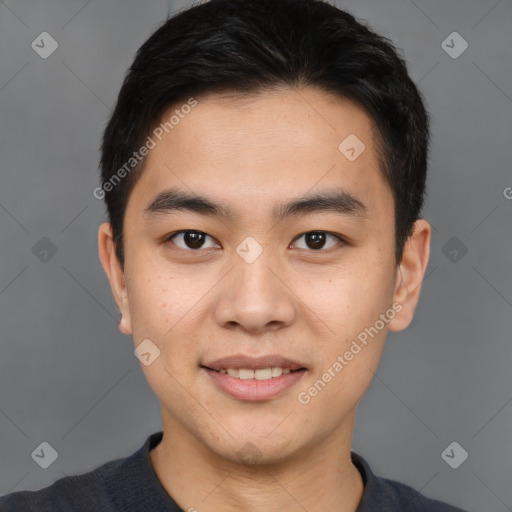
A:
(249, 47)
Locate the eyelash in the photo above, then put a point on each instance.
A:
(341, 240)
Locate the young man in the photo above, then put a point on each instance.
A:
(264, 172)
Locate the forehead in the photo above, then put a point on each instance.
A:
(253, 150)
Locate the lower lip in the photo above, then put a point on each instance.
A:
(251, 389)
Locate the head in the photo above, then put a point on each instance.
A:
(290, 142)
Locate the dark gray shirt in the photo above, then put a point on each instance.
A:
(131, 485)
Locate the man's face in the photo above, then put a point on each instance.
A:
(253, 284)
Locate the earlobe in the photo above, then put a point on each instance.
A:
(125, 326)
(115, 274)
(410, 274)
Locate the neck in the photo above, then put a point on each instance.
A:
(322, 477)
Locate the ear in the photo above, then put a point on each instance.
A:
(410, 274)
(115, 274)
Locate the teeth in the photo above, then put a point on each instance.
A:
(277, 372)
(263, 374)
(259, 374)
(245, 374)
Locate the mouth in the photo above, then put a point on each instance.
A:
(251, 379)
(255, 373)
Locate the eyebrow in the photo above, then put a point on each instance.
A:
(332, 201)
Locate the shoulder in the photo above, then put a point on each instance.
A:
(385, 495)
(403, 497)
(84, 492)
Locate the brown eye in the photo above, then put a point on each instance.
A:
(316, 240)
(191, 239)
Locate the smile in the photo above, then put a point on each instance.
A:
(254, 385)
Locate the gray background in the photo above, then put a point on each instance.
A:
(69, 377)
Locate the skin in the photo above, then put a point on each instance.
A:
(201, 304)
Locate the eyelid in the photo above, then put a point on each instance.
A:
(168, 239)
(342, 240)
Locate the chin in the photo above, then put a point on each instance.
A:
(255, 450)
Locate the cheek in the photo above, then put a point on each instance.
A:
(349, 305)
(163, 311)
(155, 306)
(167, 309)
(349, 300)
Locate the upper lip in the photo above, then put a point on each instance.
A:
(238, 361)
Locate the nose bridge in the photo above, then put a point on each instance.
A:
(254, 277)
(253, 261)
(253, 280)
(254, 296)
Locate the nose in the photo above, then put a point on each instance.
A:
(255, 297)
